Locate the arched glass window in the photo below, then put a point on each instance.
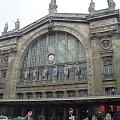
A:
(59, 48)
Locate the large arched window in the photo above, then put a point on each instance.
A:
(50, 54)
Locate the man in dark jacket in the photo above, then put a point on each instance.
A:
(99, 117)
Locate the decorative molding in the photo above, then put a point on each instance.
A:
(103, 34)
(101, 23)
(106, 44)
(8, 42)
(9, 49)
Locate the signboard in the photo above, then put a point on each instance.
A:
(111, 107)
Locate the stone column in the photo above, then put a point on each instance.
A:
(10, 84)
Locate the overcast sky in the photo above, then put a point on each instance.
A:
(28, 11)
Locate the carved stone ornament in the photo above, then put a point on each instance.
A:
(50, 25)
(5, 59)
(7, 50)
(103, 34)
(106, 44)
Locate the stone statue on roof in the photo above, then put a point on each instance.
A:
(91, 7)
(17, 25)
(52, 7)
(6, 28)
(111, 4)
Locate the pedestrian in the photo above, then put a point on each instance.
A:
(108, 117)
(93, 117)
(99, 117)
(116, 117)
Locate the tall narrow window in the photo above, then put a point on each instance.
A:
(83, 71)
(33, 55)
(51, 44)
(41, 52)
(61, 48)
(108, 68)
(49, 72)
(25, 61)
(72, 46)
(82, 53)
(71, 72)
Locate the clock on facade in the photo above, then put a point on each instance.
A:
(51, 57)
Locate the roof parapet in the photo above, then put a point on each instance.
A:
(92, 11)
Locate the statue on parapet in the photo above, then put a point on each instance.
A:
(91, 7)
(111, 4)
(52, 7)
(6, 28)
(17, 25)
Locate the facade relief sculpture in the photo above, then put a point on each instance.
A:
(35, 73)
(66, 71)
(44, 73)
(106, 44)
(55, 72)
(26, 74)
(77, 70)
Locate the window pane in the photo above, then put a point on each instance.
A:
(25, 61)
(72, 46)
(51, 44)
(60, 72)
(83, 93)
(42, 51)
(61, 48)
(83, 71)
(71, 71)
(108, 68)
(82, 54)
(33, 55)
(49, 72)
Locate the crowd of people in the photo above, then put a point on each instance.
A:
(107, 117)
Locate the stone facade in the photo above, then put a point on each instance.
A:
(99, 34)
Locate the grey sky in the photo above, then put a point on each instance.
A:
(28, 11)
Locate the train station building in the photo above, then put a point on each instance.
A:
(62, 61)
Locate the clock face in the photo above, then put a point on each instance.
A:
(51, 57)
